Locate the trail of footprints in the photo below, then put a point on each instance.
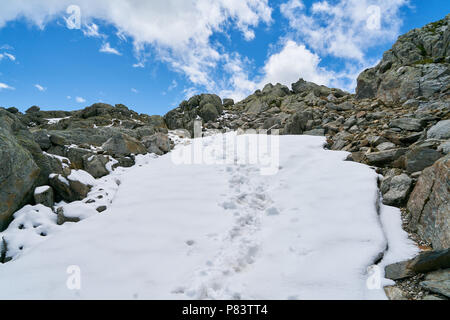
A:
(247, 201)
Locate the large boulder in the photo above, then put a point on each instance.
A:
(296, 124)
(95, 165)
(18, 171)
(123, 145)
(158, 143)
(208, 112)
(42, 138)
(429, 204)
(417, 65)
(256, 106)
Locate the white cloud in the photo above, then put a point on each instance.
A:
(80, 100)
(5, 86)
(173, 85)
(69, 97)
(10, 56)
(294, 61)
(347, 28)
(6, 47)
(106, 48)
(39, 87)
(178, 31)
(134, 90)
(7, 55)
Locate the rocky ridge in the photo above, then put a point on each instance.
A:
(398, 122)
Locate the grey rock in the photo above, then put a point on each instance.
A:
(202, 105)
(44, 195)
(33, 109)
(125, 162)
(440, 130)
(101, 209)
(315, 132)
(430, 297)
(271, 122)
(68, 189)
(145, 131)
(382, 158)
(376, 140)
(444, 147)
(158, 143)
(256, 106)
(410, 124)
(12, 110)
(123, 145)
(424, 262)
(95, 165)
(208, 112)
(302, 87)
(442, 287)
(398, 188)
(57, 140)
(18, 171)
(61, 218)
(76, 155)
(350, 122)
(419, 158)
(411, 68)
(228, 102)
(277, 90)
(61, 187)
(439, 275)
(296, 124)
(429, 204)
(346, 106)
(386, 146)
(340, 140)
(395, 293)
(42, 139)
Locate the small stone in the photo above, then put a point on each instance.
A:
(101, 209)
(44, 195)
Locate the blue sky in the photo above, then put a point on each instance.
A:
(150, 55)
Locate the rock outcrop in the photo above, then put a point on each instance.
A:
(429, 204)
(416, 67)
(207, 107)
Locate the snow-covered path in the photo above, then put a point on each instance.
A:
(224, 232)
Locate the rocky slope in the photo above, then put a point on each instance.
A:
(42, 148)
(398, 122)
